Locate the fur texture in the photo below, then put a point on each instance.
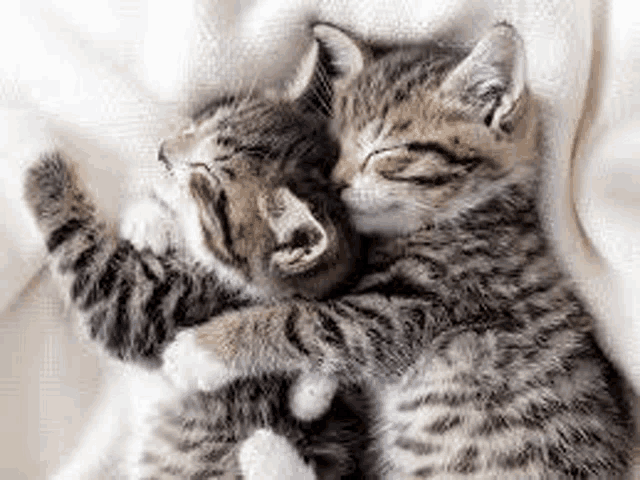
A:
(478, 348)
(258, 219)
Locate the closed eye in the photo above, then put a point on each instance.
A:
(201, 165)
(430, 181)
(433, 147)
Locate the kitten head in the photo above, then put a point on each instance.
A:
(255, 171)
(428, 132)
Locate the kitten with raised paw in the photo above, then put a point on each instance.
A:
(248, 216)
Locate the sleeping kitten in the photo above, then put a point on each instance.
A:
(260, 218)
(475, 342)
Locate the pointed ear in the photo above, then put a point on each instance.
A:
(301, 239)
(490, 81)
(346, 54)
(303, 76)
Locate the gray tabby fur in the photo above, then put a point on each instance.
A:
(475, 343)
(259, 220)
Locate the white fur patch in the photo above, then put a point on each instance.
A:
(311, 395)
(268, 456)
(189, 367)
(147, 223)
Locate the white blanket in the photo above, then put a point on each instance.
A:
(105, 80)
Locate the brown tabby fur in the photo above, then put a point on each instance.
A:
(464, 328)
(132, 302)
(475, 343)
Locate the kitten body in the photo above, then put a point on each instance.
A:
(258, 220)
(474, 341)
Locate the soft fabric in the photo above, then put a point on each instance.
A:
(107, 80)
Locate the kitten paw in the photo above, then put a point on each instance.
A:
(266, 455)
(188, 367)
(47, 184)
(149, 224)
(53, 193)
(311, 395)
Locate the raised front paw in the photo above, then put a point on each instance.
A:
(53, 193)
(148, 223)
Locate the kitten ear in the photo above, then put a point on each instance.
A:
(303, 77)
(347, 56)
(301, 239)
(490, 81)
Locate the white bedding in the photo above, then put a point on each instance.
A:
(105, 79)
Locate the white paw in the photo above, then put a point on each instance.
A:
(189, 367)
(311, 395)
(148, 223)
(266, 455)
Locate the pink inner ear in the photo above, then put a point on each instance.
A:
(303, 75)
(493, 73)
(346, 55)
(301, 239)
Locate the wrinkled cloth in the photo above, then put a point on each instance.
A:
(105, 81)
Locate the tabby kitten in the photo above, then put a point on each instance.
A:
(474, 341)
(261, 218)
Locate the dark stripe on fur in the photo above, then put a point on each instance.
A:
(447, 398)
(180, 310)
(424, 472)
(443, 424)
(216, 454)
(153, 310)
(64, 233)
(520, 457)
(371, 314)
(333, 333)
(85, 258)
(108, 279)
(291, 332)
(80, 284)
(417, 448)
(148, 273)
(466, 461)
(117, 332)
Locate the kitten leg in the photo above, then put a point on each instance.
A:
(266, 455)
(131, 302)
(312, 394)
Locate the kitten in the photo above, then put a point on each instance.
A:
(260, 221)
(475, 343)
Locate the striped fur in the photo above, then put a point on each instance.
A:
(475, 342)
(132, 302)
(197, 437)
